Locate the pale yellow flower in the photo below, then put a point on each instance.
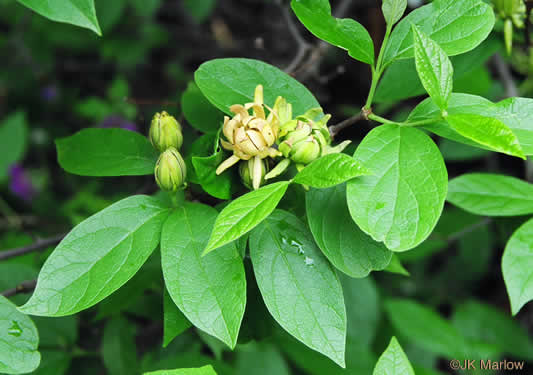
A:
(250, 135)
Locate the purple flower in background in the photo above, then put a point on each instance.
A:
(49, 93)
(20, 183)
(115, 121)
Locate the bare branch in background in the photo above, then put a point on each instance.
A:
(506, 76)
(303, 46)
(40, 244)
(24, 287)
(317, 52)
(336, 129)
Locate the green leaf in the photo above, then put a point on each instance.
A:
(209, 290)
(216, 346)
(331, 170)
(344, 244)
(485, 326)
(148, 276)
(298, 285)
(393, 10)
(345, 33)
(53, 362)
(219, 186)
(515, 113)
(425, 328)
(401, 204)
(358, 360)
(119, 352)
(434, 68)
(244, 213)
(97, 257)
(487, 131)
(18, 346)
(444, 21)
(109, 14)
(57, 332)
(458, 152)
(233, 81)
(199, 112)
(260, 359)
(123, 153)
(146, 8)
(199, 9)
(517, 267)
(13, 139)
(401, 81)
(76, 12)
(393, 361)
(396, 266)
(491, 194)
(201, 147)
(363, 311)
(174, 322)
(206, 370)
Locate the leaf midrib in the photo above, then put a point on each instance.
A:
(189, 227)
(92, 264)
(281, 252)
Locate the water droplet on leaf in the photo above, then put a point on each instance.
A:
(309, 261)
(298, 246)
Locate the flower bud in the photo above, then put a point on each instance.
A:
(306, 151)
(253, 172)
(165, 132)
(514, 10)
(170, 170)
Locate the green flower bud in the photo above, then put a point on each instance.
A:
(508, 35)
(170, 170)
(514, 10)
(165, 132)
(253, 172)
(305, 139)
(306, 151)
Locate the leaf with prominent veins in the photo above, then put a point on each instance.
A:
(19, 340)
(299, 286)
(98, 256)
(401, 203)
(211, 290)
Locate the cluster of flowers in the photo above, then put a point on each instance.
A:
(165, 135)
(257, 139)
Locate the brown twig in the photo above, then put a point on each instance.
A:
(24, 287)
(40, 244)
(457, 236)
(336, 129)
(506, 76)
(317, 52)
(303, 46)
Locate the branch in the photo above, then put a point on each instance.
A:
(320, 49)
(336, 129)
(40, 244)
(303, 46)
(457, 236)
(505, 75)
(24, 287)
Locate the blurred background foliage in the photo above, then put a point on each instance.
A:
(57, 79)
